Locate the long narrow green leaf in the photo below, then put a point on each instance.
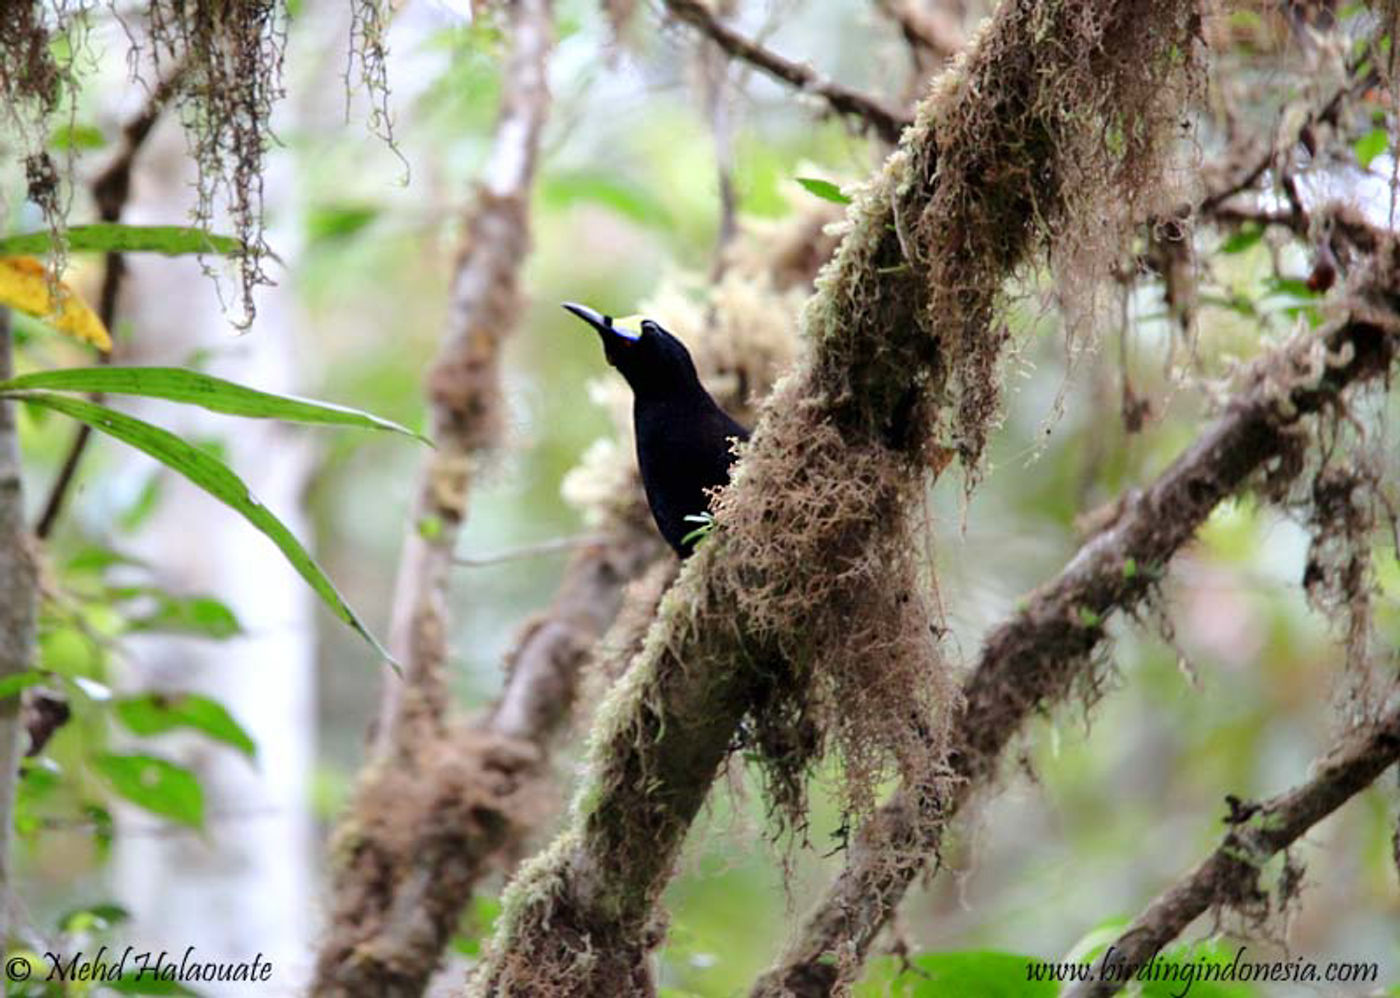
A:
(176, 384)
(214, 477)
(118, 237)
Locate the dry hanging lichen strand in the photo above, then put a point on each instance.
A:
(229, 58)
(34, 81)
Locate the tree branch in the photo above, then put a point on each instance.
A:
(874, 113)
(436, 800)
(910, 294)
(19, 589)
(1230, 875)
(464, 385)
(1245, 166)
(1031, 662)
(927, 28)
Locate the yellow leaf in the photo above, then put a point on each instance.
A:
(24, 285)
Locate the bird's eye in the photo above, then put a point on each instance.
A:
(648, 326)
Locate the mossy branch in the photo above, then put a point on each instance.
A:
(1031, 662)
(810, 568)
(1229, 876)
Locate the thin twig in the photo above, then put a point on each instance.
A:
(111, 189)
(552, 546)
(887, 122)
(930, 31)
(714, 67)
(1250, 167)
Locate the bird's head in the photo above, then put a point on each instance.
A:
(652, 360)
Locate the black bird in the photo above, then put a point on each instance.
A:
(683, 436)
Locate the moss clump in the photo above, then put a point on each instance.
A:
(827, 573)
(463, 793)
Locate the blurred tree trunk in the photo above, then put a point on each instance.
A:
(18, 607)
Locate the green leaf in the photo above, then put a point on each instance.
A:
(1243, 239)
(1295, 286)
(201, 616)
(1235, 303)
(14, 683)
(103, 828)
(155, 784)
(78, 137)
(144, 504)
(477, 924)
(824, 189)
(116, 237)
(176, 384)
(39, 775)
(155, 714)
(338, 222)
(1371, 145)
(984, 973)
(707, 524)
(92, 918)
(95, 558)
(219, 481)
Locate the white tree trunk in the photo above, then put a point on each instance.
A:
(245, 885)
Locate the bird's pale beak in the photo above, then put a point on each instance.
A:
(602, 323)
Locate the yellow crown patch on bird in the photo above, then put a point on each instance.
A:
(25, 286)
(629, 326)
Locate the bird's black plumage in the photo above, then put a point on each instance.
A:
(684, 439)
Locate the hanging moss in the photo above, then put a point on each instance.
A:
(226, 57)
(368, 61)
(223, 63)
(35, 83)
